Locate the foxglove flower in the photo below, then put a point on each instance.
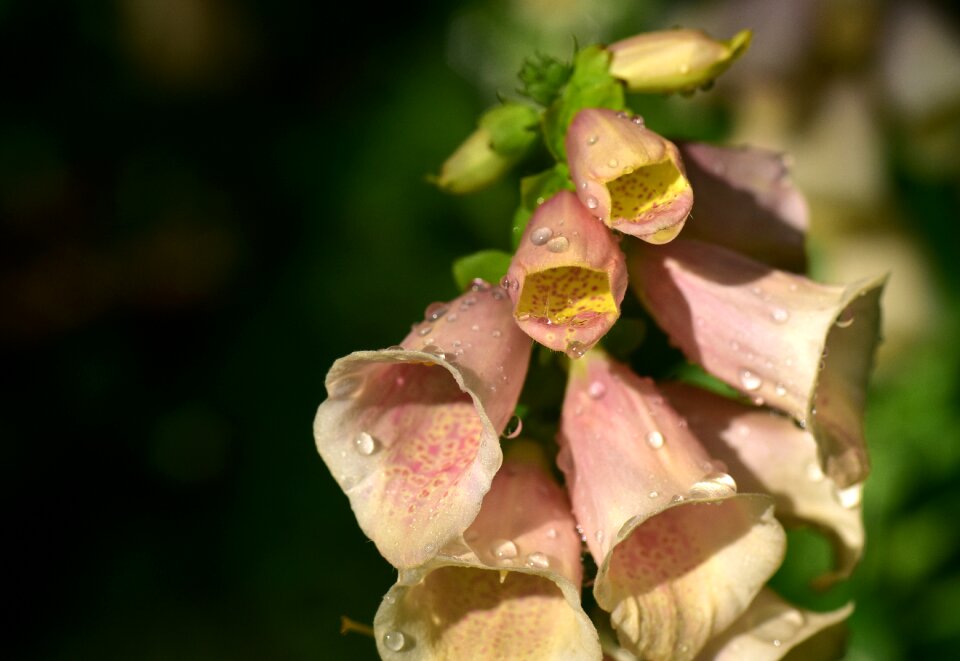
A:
(627, 175)
(673, 60)
(681, 553)
(567, 278)
(513, 590)
(781, 339)
(411, 433)
(767, 453)
(747, 203)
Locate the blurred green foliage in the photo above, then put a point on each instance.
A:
(203, 205)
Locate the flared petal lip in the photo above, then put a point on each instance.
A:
(488, 459)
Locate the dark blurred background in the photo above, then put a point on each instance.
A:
(205, 202)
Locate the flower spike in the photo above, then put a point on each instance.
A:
(411, 433)
(567, 278)
(782, 339)
(663, 520)
(512, 591)
(627, 175)
(765, 452)
(674, 60)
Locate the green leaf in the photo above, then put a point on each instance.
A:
(534, 191)
(542, 77)
(590, 86)
(513, 128)
(489, 265)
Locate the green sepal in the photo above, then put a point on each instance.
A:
(489, 265)
(513, 128)
(534, 191)
(590, 86)
(542, 77)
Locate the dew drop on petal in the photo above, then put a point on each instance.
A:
(424, 331)
(714, 485)
(540, 236)
(394, 640)
(654, 494)
(538, 560)
(780, 390)
(365, 444)
(552, 533)
(592, 140)
(592, 202)
(655, 440)
(389, 598)
(780, 315)
(599, 536)
(558, 244)
(613, 162)
(596, 390)
(513, 428)
(434, 311)
(749, 380)
(575, 349)
(851, 496)
(504, 549)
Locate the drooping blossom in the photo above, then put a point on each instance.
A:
(628, 176)
(681, 554)
(511, 590)
(567, 278)
(411, 433)
(746, 202)
(767, 453)
(782, 339)
(673, 60)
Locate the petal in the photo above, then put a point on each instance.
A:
(411, 433)
(668, 530)
(782, 339)
(673, 60)
(746, 202)
(628, 176)
(767, 453)
(772, 627)
(567, 278)
(513, 592)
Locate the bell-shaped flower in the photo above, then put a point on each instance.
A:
(766, 452)
(510, 590)
(782, 339)
(411, 433)
(746, 202)
(772, 628)
(567, 278)
(681, 553)
(505, 135)
(628, 176)
(673, 60)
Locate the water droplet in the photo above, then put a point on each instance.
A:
(513, 428)
(477, 285)
(345, 387)
(434, 350)
(638, 120)
(424, 331)
(596, 390)
(845, 321)
(677, 499)
(779, 315)
(498, 295)
(780, 390)
(592, 140)
(592, 202)
(540, 236)
(777, 627)
(508, 283)
(452, 317)
(575, 349)
(655, 440)
(851, 496)
(394, 640)
(552, 533)
(613, 162)
(504, 549)
(714, 485)
(749, 380)
(434, 311)
(814, 472)
(599, 536)
(365, 444)
(538, 560)
(475, 327)
(429, 548)
(389, 598)
(654, 494)
(558, 244)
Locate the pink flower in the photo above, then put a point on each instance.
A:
(627, 175)
(411, 433)
(567, 278)
(511, 590)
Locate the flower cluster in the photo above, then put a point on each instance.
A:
(679, 494)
